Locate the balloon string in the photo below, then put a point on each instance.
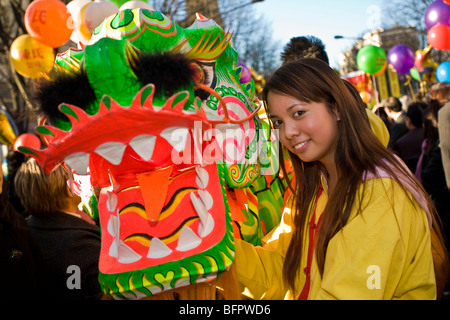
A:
(408, 83)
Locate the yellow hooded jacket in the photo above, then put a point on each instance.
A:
(382, 253)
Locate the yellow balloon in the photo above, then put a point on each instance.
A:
(365, 96)
(31, 58)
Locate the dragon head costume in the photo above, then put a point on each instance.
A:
(155, 116)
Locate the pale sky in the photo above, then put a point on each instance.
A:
(323, 19)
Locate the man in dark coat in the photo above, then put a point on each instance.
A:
(70, 245)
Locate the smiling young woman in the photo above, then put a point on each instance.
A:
(355, 208)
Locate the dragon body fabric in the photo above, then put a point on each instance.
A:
(180, 176)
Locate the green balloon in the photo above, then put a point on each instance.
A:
(371, 59)
(414, 74)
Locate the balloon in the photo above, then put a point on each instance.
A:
(414, 74)
(371, 59)
(447, 2)
(27, 140)
(382, 69)
(77, 9)
(439, 37)
(365, 96)
(49, 22)
(401, 57)
(31, 58)
(437, 12)
(443, 72)
(136, 4)
(96, 12)
(246, 74)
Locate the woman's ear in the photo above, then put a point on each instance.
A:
(336, 113)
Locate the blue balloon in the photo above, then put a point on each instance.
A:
(443, 72)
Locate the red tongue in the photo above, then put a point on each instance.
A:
(154, 186)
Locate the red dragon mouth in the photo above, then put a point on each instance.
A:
(185, 224)
(155, 211)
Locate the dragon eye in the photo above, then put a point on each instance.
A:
(205, 74)
(199, 73)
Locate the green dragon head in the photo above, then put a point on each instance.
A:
(156, 116)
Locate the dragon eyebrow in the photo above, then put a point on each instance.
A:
(206, 50)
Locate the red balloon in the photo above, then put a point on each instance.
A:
(439, 37)
(48, 21)
(28, 140)
(447, 2)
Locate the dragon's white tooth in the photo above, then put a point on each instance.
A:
(79, 162)
(144, 145)
(158, 249)
(206, 220)
(111, 202)
(206, 226)
(199, 206)
(126, 254)
(202, 177)
(188, 239)
(112, 225)
(176, 137)
(112, 151)
(206, 198)
(113, 250)
(113, 231)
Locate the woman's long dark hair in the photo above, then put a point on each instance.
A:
(359, 151)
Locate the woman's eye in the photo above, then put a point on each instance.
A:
(298, 113)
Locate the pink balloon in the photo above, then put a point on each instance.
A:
(439, 37)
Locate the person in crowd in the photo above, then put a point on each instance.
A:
(441, 92)
(70, 246)
(444, 132)
(397, 118)
(20, 258)
(14, 159)
(358, 225)
(304, 47)
(409, 146)
(378, 109)
(431, 170)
